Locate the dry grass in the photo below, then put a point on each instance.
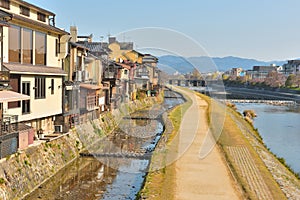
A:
(233, 136)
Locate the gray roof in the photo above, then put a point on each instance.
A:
(126, 45)
(96, 48)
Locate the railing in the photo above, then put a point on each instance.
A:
(8, 124)
(4, 76)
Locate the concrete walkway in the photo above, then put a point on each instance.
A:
(196, 178)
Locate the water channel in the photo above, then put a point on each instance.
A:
(279, 127)
(89, 178)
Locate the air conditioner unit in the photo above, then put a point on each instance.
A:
(58, 128)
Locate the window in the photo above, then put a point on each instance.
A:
(40, 87)
(40, 48)
(13, 104)
(26, 46)
(125, 71)
(5, 4)
(26, 103)
(24, 11)
(52, 86)
(14, 44)
(41, 17)
(57, 47)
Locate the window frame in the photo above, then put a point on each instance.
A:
(40, 87)
(10, 38)
(23, 42)
(26, 103)
(52, 86)
(45, 48)
(41, 17)
(5, 4)
(24, 11)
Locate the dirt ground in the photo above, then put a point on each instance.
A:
(197, 178)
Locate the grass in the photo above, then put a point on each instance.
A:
(233, 136)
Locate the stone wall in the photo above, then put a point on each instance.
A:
(24, 171)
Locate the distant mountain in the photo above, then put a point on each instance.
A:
(171, 64)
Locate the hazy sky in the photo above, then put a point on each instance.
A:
(260, 29)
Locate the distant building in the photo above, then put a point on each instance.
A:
(236, 72)
(260, 72)
(292, 67)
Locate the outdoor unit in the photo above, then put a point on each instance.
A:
(58, 128)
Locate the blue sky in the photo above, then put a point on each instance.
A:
(260, 29)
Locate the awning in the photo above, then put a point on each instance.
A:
(17, 68)
(9, 96)
(90, 86)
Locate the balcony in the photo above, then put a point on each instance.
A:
(9, 124)
(4, 76)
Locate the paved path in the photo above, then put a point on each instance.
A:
(197, 178)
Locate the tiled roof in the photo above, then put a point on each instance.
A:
(126, 45)
(77, 44)
(16, 68)
(95, 47)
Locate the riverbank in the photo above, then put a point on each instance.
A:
(185, 175)
(255, 171)
(22, 173)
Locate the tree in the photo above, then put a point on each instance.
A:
(290, 81)
(275, 79)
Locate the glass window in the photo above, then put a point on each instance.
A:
(57, 47)
(24, 11)
(26, 103)
(40, 48)
(27, 46)
(13, 104)
(14, 44)
(41, 17)
(5, 4)
(52, 86)
(40, 88)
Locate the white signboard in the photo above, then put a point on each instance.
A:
(101, 100)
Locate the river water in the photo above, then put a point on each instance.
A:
(89, 178)
(279, 127)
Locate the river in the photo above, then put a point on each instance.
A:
(106, 177)
(279, 127)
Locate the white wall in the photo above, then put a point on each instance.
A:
(52, 59)
(39, 108)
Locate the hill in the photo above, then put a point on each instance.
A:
(171, 64)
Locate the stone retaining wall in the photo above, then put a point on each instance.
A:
(24, 171)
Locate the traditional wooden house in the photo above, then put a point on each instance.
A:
(31, 56)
